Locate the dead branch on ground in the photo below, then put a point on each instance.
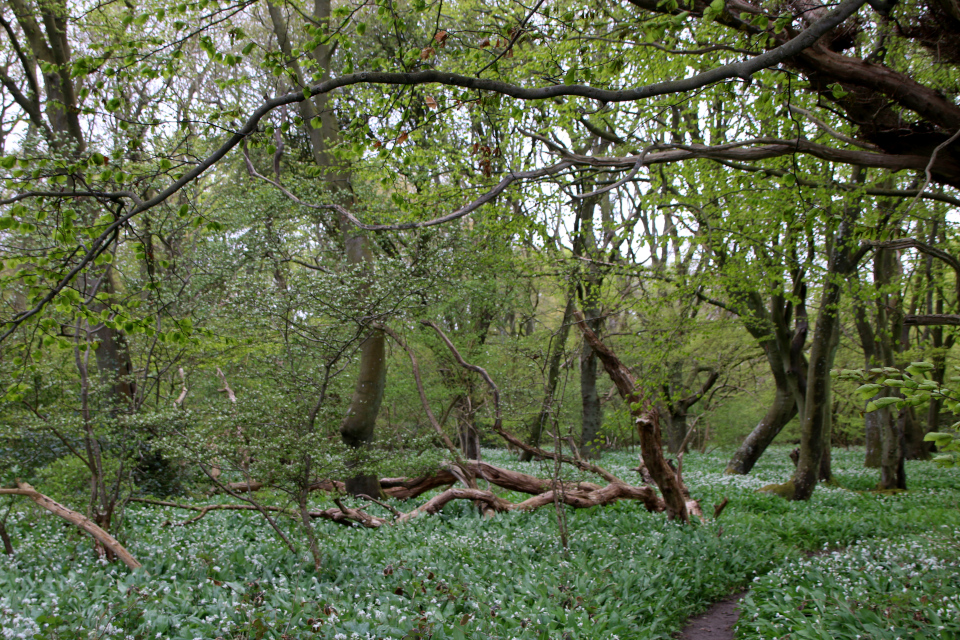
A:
(78, 519)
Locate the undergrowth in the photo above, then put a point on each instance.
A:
(627, 573)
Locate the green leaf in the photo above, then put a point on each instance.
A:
(881, 403)
(867, 391)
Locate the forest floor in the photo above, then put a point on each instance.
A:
(627, 574)
(716, 623)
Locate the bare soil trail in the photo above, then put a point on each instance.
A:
(716, 623)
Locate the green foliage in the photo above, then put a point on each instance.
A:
(628, 573)
(915, 388)
(885, 589)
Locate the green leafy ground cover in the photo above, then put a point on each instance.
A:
(628, 574)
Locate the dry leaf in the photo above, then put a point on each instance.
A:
(403, 138)
(485, 43)
(441, 37)
(427, 52)
(431, 102)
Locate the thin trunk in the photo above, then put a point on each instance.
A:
(357, 428)
(873, 427)
(889, 325)
(592, 411)
(815, 426)
(557, 351)
(5, 537)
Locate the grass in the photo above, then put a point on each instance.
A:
(628, 574)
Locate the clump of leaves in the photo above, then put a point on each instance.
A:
(914, 388)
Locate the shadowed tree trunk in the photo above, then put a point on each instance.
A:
(873, 420)
(590, 285)
(781, 411)
(357, 428)
(557, 350)
(889, 323)
(815, 424)
(783, 349)
(677, 410)
(592, 411)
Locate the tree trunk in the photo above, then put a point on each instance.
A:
(648, 427)
(676, 428)
(357, 428)
(784, 353)
(469, 437)
(914, 448)
(873, 423)
(592, 411)
(891, 453)
(5, 538)
(557, 351)
(815, 423)
(782, 411)
(813, 428)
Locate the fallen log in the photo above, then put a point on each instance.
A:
(78, 519)
(522, 482)
(583, 498)
(247, 487)
(407, 488)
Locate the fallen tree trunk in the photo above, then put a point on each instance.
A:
(407, 488)
(247, 487)
(648, 426)
(578, 495)
(78, 519)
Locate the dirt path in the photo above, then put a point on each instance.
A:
(716, 623)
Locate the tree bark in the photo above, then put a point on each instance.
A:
(5, 537)
(783, 349)
(648, 426)
(592, 410)
(815, 425)
(557, 351)
(78, 519)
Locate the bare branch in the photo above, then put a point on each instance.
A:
(78, 519)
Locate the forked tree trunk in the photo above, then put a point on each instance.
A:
(783, 349)
(814, 429)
